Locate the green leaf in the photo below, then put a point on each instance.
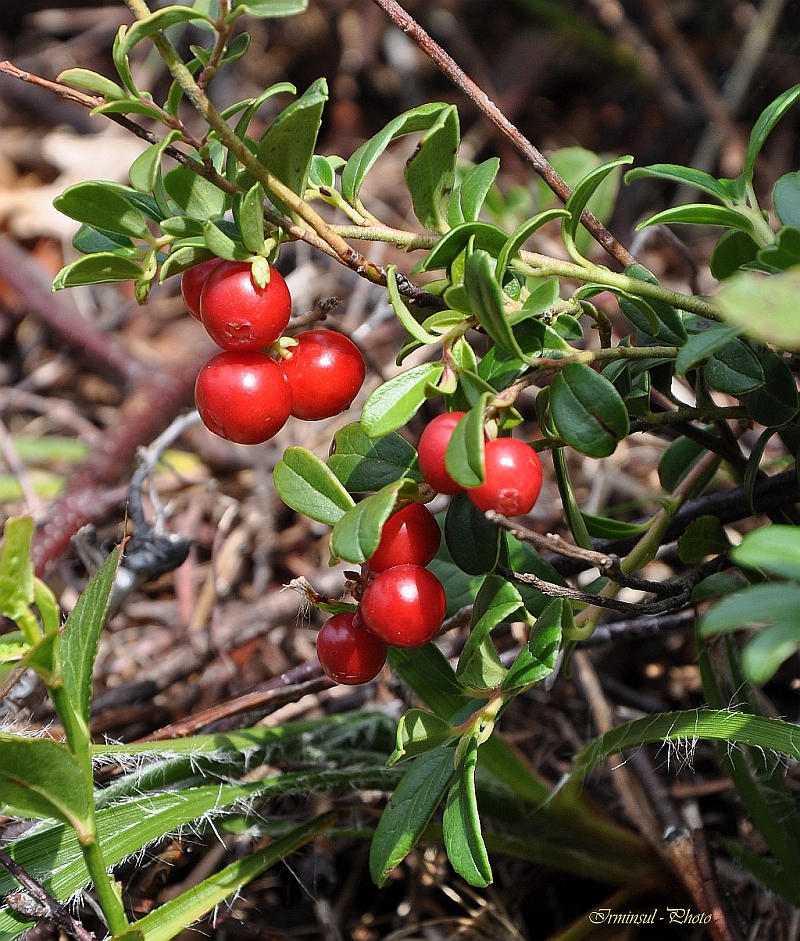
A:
(772, 549)
(464, 456)
(486, 300)
(700, 346)
(307, 485)
(757, 604)
(716, 586)
(786, 199)
(287, 146)
(146, 167)
(686, 176)
(356, 535)
(767, 120)
(580, 196)
(733, 251)
(171, 918)
(764, 653)
(700, 214)
(473, 541)
(601, 527)
(101, 268)
(473, 235)
(776, 401)
(93, 82)
(196, 196)
(430, 171)
(763, 307)
(222, 245)
(418, 732)
(410, 808)
(404, 315)
(461, 824)
(250, 218)
(735, 369)
(16, 569)
(587, 410)
(515, 242)
(104, 207)
(130, 106)
(81, 635)
(538, 657)
(364, 464)
(395, 402)
(89, 241)
(161, 19)
(42, 778)
(672, 329)
(427, 671)
(410, 122)
(703, 537)
(180, 259)
(676, 462)
(784, 253)
(269, 8)
(479, 666)
(467, 201)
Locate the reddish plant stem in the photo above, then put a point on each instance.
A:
(487, 107)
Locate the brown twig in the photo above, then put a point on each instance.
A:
(480, 99)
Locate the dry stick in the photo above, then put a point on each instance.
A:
(39, 904)
(479, 98)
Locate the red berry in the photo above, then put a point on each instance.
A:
(347, 653)
(513, 478)
(325, 370)
(411, 535)
(240, 315)
(243, 397)
(192, 281)
(432, 446)
(404, 606)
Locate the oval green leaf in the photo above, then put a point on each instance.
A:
(395, 402)
(587, 410)
(307, 485)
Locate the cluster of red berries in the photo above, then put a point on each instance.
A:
(245, 393)
(402, 605)
(513, 479)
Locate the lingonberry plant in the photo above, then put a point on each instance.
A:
(239, 198)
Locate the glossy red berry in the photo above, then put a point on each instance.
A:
(432, 446)
(240, 315)
(348, 653)
(325, 370)
(192, 281)
(411, 535)
(513, 478)
(243, 397)
(404, 606)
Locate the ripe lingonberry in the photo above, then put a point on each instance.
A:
(243, 397)
(325, 370)
(430, 453)
(192, 281)
(513, 478)
(240, 315)
(404, 606)
(411, 535)
(348, 653)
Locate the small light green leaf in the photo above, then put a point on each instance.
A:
(467, 201)
(287, 146)
(17, 590)
(701, 345)
(538, 657)
(464, 457)
(404, 315)
(473, 542)
(356, 535)
(587, 410)
(81, 635)
(763, 307)
(461, 824)
(703, 537)
(41, 778)
(308, 486)
(222, 245)
(412, 805)
(786, 199)
(104, 207)
(735, 370)
(161, 19)
(764, 653)
(486, 300)
(269, 8)
(395, 402)
(410, 122)
(182, 227)
(418, 732)
(776, 402)
(101, 268)
(473, 235)
(602, 527)
(519, 237)
(93, 82)
(146, 167)
(700, 214)
(430, 171)
(129, 106)
(479, 666)
(580, 196)
(180, 259)
(773, 549)
(364, 464)
(767, 120)
(686, 176)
